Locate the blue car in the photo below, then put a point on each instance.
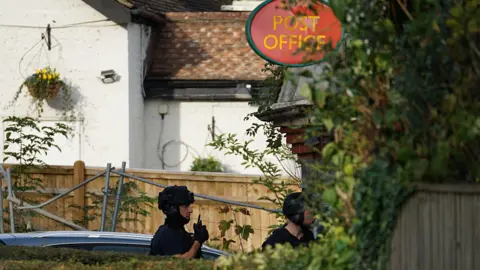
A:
(93, 241)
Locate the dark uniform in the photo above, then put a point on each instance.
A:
(171, 238)
(282, 236)
(293, 209)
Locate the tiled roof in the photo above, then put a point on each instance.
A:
(205, 46)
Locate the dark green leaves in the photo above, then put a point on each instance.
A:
(224, 226)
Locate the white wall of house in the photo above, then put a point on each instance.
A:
(84, 44)
(184, 134)
(138, 37)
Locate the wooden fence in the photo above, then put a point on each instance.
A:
(227, 186)
(438, 229)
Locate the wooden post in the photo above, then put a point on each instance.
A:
(79, 194)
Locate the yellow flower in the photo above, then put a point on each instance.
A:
(38, 71)
(49, 76)
(44, 70)
(44, 76)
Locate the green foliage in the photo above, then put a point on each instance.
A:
(401, 102)
(267, 94)
(134, 203)
(26, 143)
(337, 182)
(209, 164)
(126, 265)
(254, 158)
(242, 233)
(32, 140)
(379, 197)
(44, 85)
(333, 250)
(263, 97)
(64, 258)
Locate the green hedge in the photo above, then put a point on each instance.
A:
(332, 251)
(133, 264)
(56, 258)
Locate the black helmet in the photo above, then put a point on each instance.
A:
(172, 197)
(294, 207)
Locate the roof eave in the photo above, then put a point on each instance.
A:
(143, 12)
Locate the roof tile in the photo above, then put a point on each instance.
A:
(205, 45)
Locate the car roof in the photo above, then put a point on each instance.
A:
(93, 234)
(47, 237)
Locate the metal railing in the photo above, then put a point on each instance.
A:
(107, 173)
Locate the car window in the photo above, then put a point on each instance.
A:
(123, 248)
(129, 248)
(75, 246)
(209, 255)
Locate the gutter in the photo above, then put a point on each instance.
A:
(125, 3)
(142, 12)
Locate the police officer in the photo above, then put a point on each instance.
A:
(299, 219)
(171, 239)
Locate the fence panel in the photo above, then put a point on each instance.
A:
(227, 186)
(438, 229)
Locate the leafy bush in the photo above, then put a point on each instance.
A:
(27, 141)
(333, 250)
(209, 164)
(133, 202)
(56, 258)
(127, 265)
(66, 254)
(402, 102)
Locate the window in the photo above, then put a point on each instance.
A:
(123, 248)
(75, 246)
(209, 255)
(128, 248)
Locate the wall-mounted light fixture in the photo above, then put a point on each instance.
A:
(109, 76)
(162, 109)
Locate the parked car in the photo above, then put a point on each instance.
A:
(93, 241)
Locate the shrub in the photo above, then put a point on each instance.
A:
(209, 164)
(127, 265)
(48, 258)
(333, 250)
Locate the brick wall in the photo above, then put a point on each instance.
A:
(296, 138)
(205, 46)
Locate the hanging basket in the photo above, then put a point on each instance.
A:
(51, 91)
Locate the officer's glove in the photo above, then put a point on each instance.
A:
(201, 233)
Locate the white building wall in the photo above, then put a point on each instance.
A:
(184, 134)
(138, 37)
(83, 46)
